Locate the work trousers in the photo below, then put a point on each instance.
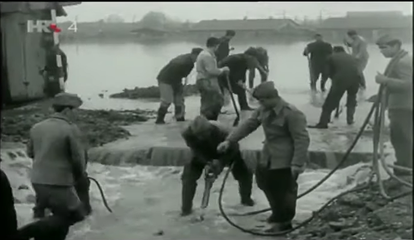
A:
(239, 91)
(281, 192)
(194, 169)
(212, 99)
(334, 98)
(64, 204)
(82, 190)
(362, 64)
(318, 70)
(172, 94)
(401, 131)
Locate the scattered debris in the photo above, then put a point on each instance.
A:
(150, 92)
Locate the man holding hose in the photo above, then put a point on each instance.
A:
(284, 152)
(398, 80)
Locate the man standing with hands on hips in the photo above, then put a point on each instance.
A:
(284, 152)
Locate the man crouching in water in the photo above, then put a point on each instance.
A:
(284, 152)
(58, 161)
(203, 137)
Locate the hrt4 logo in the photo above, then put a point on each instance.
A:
(46, 26)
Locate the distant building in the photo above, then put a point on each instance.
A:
(22, 53)
(370, 25)
(150, 33)
(250, 28)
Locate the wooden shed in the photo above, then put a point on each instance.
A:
(22, 53)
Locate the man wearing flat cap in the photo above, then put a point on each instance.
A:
(170, 83)
(398, 80)
(55, 145)
(202, 137)
(284, 152)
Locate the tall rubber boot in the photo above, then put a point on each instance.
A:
(350, 111)
(178, 112)
(245, 191)
(323, 120)
(162, 111)
(187, 196)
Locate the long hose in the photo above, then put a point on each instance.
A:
(101, 192)
(379, 108)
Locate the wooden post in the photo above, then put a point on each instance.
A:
(56, 45)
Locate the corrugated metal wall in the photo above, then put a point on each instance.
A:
(24, 57)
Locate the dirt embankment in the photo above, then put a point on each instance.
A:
(150, 92)
(99, 126)
(364, 214)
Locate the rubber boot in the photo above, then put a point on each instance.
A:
(177, 111)
(187, 196)
(323, 120)
(245, 191)
(162, 111)
(350, 111)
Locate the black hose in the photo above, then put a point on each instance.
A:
(102, 193)
(344, 158)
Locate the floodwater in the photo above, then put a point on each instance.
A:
(104, 67)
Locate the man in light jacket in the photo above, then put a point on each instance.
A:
(212, 98)
(398, 80)
(55, 145)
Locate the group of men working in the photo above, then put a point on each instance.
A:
(57, 147)
(217, 71)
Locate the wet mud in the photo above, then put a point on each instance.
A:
(150, 92)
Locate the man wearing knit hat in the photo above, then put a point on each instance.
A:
(284, 152)
(398, 80)
(58, 161)
(203, 137)
(170, 82)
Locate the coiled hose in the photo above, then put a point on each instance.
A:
(379, 108)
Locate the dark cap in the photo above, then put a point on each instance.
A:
(265, 90)
(196, 51)
(251, 51)
(230, 33)
(212, 42)
(386, 39)
(352, 32)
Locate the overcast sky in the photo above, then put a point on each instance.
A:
(196, 11)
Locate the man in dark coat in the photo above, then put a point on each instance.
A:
(224, 49)
(202, 137)
(284, 152)
(346, 77)
(170, 82)
(238, 65)
(319, 52)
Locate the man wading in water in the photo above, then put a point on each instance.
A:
(171, 86)
(59, 162)
(284, 152)
(398, 80)
(346, 77)
(203, 137)
(239, 64)
(319, 52)
(207, 80)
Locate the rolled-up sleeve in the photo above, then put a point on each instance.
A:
(297, 128)
(246, 127)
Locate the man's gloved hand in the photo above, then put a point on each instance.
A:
(296, 171)
(223, 146)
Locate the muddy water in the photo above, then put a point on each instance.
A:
(146, 201)
(94, 68)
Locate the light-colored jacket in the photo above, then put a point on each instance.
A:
(360, 52)
(400, 88)
(206, 65)
(287, 139)
(56, 148)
